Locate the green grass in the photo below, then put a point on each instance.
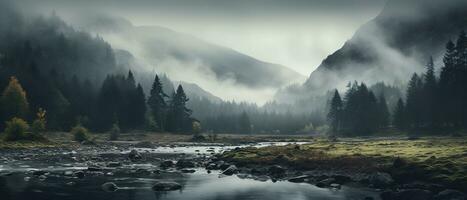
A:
(435, 159)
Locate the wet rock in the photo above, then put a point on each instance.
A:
(114, 164)
(223, 166)
(71, 183)
(342, 179)
(299, 179)
(79, 174)
(38, 173)
(326, 182)
(188, 170)
(276, 170)
(211, 166)
(134, 155)
(262, 178)
(185, 164)
(166, 186)
(335, 185)
(68, 173)
(381, 180)
(450, 195)
(94, 169)
(166, 164)
(231, 170)
(27, 178)
(42, 177)
(109, 187)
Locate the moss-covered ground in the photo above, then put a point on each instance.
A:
(440, 160)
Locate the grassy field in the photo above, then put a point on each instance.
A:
(434, 159)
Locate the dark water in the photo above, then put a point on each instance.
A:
(18, 182)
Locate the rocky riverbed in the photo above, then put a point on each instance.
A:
(146, 171)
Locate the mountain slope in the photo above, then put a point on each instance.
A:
(390, 47)
(173, 53)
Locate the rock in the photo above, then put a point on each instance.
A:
(223, 166)
(276, 170)
(381, 180)
(79, 174)
(166, 164)
(335, 185)
(166, 186)
(413, 194)
(188, 170)
(450, 195)
(68, 173)
(368, 198)
(27, 178)
(114, 164)
(134, 155)
(109, 187)
(94, 169)
(326, 182)
(87, 142)
(299, 179)
(211, 166)
(185, 164)
(230, 170)
(341, 179)
(38, 173)
(71, 183)
(42, 177)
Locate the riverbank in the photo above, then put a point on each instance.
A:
(427, 165)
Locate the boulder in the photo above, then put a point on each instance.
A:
(166, 186)
(114, 164)
(109, 187)
(381, 180)
(167, 164)
(450, 195)
(134, 155)
(413, 194)
(326, 182)
(299, 179)
(231, 170)
(185, 164)
(79, 174)
(276, 170)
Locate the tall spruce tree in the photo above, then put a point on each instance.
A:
(446, 86)
(414, 97)
(383, 112)
(399, 120)
(138, 102)
(157, 104)
(244, 123)
(179, 116)
(335, 112)
(430, 96)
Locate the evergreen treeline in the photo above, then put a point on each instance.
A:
(430, 104)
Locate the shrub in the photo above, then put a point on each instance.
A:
(17, 129)
(80, 133)
(114, 132)
(38, 125)
(196, 128)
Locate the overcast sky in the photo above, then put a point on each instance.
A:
(296, 33)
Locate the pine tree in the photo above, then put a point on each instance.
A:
(414, 107)
(178, 118)
(139, 106)
(429, 95)
(14, 101)
(244, 123)
(335, 112)
(157, 104)
(383, 112)
(399, 120)
(446, 86)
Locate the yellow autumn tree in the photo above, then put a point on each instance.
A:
(14, 101)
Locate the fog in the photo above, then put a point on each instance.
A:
(297, 34)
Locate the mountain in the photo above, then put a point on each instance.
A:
(390, 47)
(127, 61)
(178, 54)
